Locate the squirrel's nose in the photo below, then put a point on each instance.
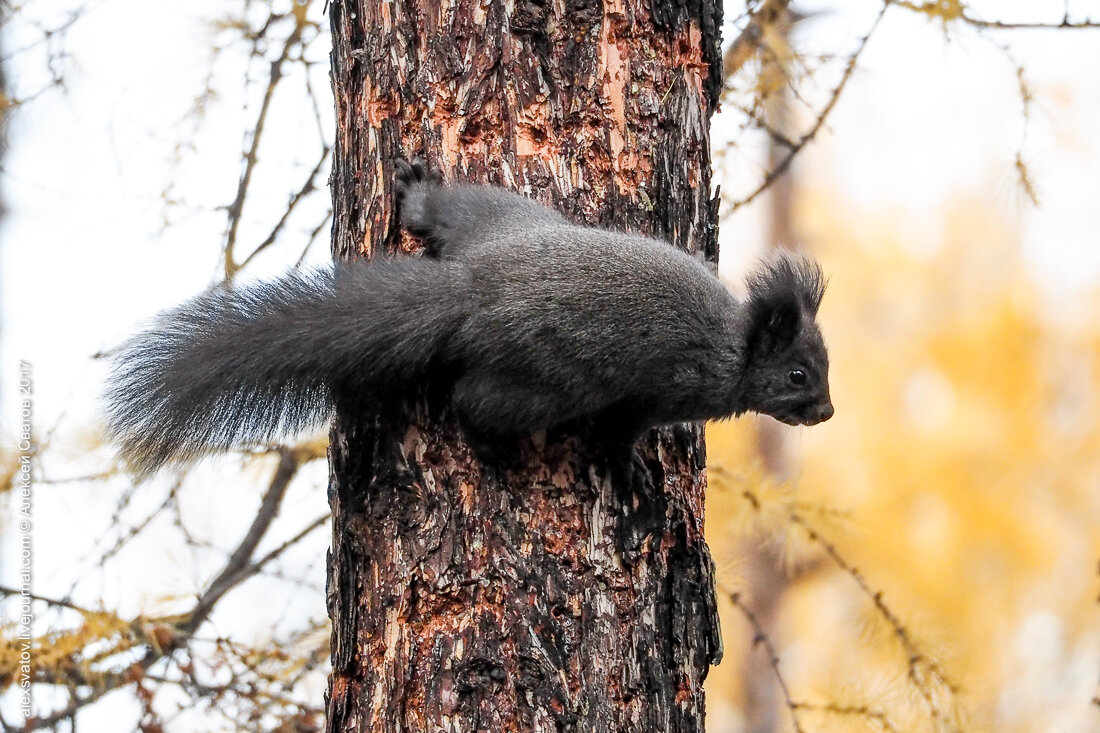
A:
(825, 412)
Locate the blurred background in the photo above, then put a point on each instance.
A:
(926, 560)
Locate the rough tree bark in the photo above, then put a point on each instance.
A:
(469, 601)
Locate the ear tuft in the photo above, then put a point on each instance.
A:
(782, 291)
(786, 276)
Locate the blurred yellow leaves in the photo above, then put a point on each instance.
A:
(964, 464)
(73, 652)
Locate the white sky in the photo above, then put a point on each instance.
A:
(925, 119)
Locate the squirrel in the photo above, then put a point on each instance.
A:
(534, 321)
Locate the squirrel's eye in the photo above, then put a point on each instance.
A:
(797, 377)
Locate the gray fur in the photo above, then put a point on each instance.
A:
(538, 322)
(250, 364)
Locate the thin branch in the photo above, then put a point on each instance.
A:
(777, 137)
(760, 638)
(259, 564)
(1066, 24)
(47, 34)
(238, 565)
(307, 188)
(935, 10)
(1027, 98)
(819, 122)
(322, 129)
(138, 528)
(60, 602)
(86, 478)
(916, 659)
(923, 672)
(851, 711)
(236, 208)
(237, 568)
(749, 41)
(314, 233)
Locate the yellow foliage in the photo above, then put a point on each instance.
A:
(61, 653)
(965, 455)
(942, 10)
(9, 466)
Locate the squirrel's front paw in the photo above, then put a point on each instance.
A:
(637, 477)
(637, 501)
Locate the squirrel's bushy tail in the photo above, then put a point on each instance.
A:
(249, 364)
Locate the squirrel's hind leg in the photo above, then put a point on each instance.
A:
(640, 502)
(455, 219)
(414, 187)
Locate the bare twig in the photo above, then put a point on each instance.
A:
(236, 208)
(238, 567)
(316, 523)
(776, 136)
(59, 602)
(851, 711)
(307, 188)
(749, 41)
(760, 638)
(136, 529)
(822, 116)
(313, 234)
(46, 35)
(920, 668)
(1023, 174)
(958, 13)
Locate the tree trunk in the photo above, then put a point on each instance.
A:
(470, 600)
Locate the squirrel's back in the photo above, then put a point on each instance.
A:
(625, 308)
(533, 321)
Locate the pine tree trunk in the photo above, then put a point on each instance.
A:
(466, 600)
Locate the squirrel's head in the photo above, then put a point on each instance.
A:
(787, 369)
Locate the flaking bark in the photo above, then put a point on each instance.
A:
(465, 599)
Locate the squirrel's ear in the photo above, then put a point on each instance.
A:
(775, 326)
(781, 293)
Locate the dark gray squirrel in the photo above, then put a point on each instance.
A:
(534, 321)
